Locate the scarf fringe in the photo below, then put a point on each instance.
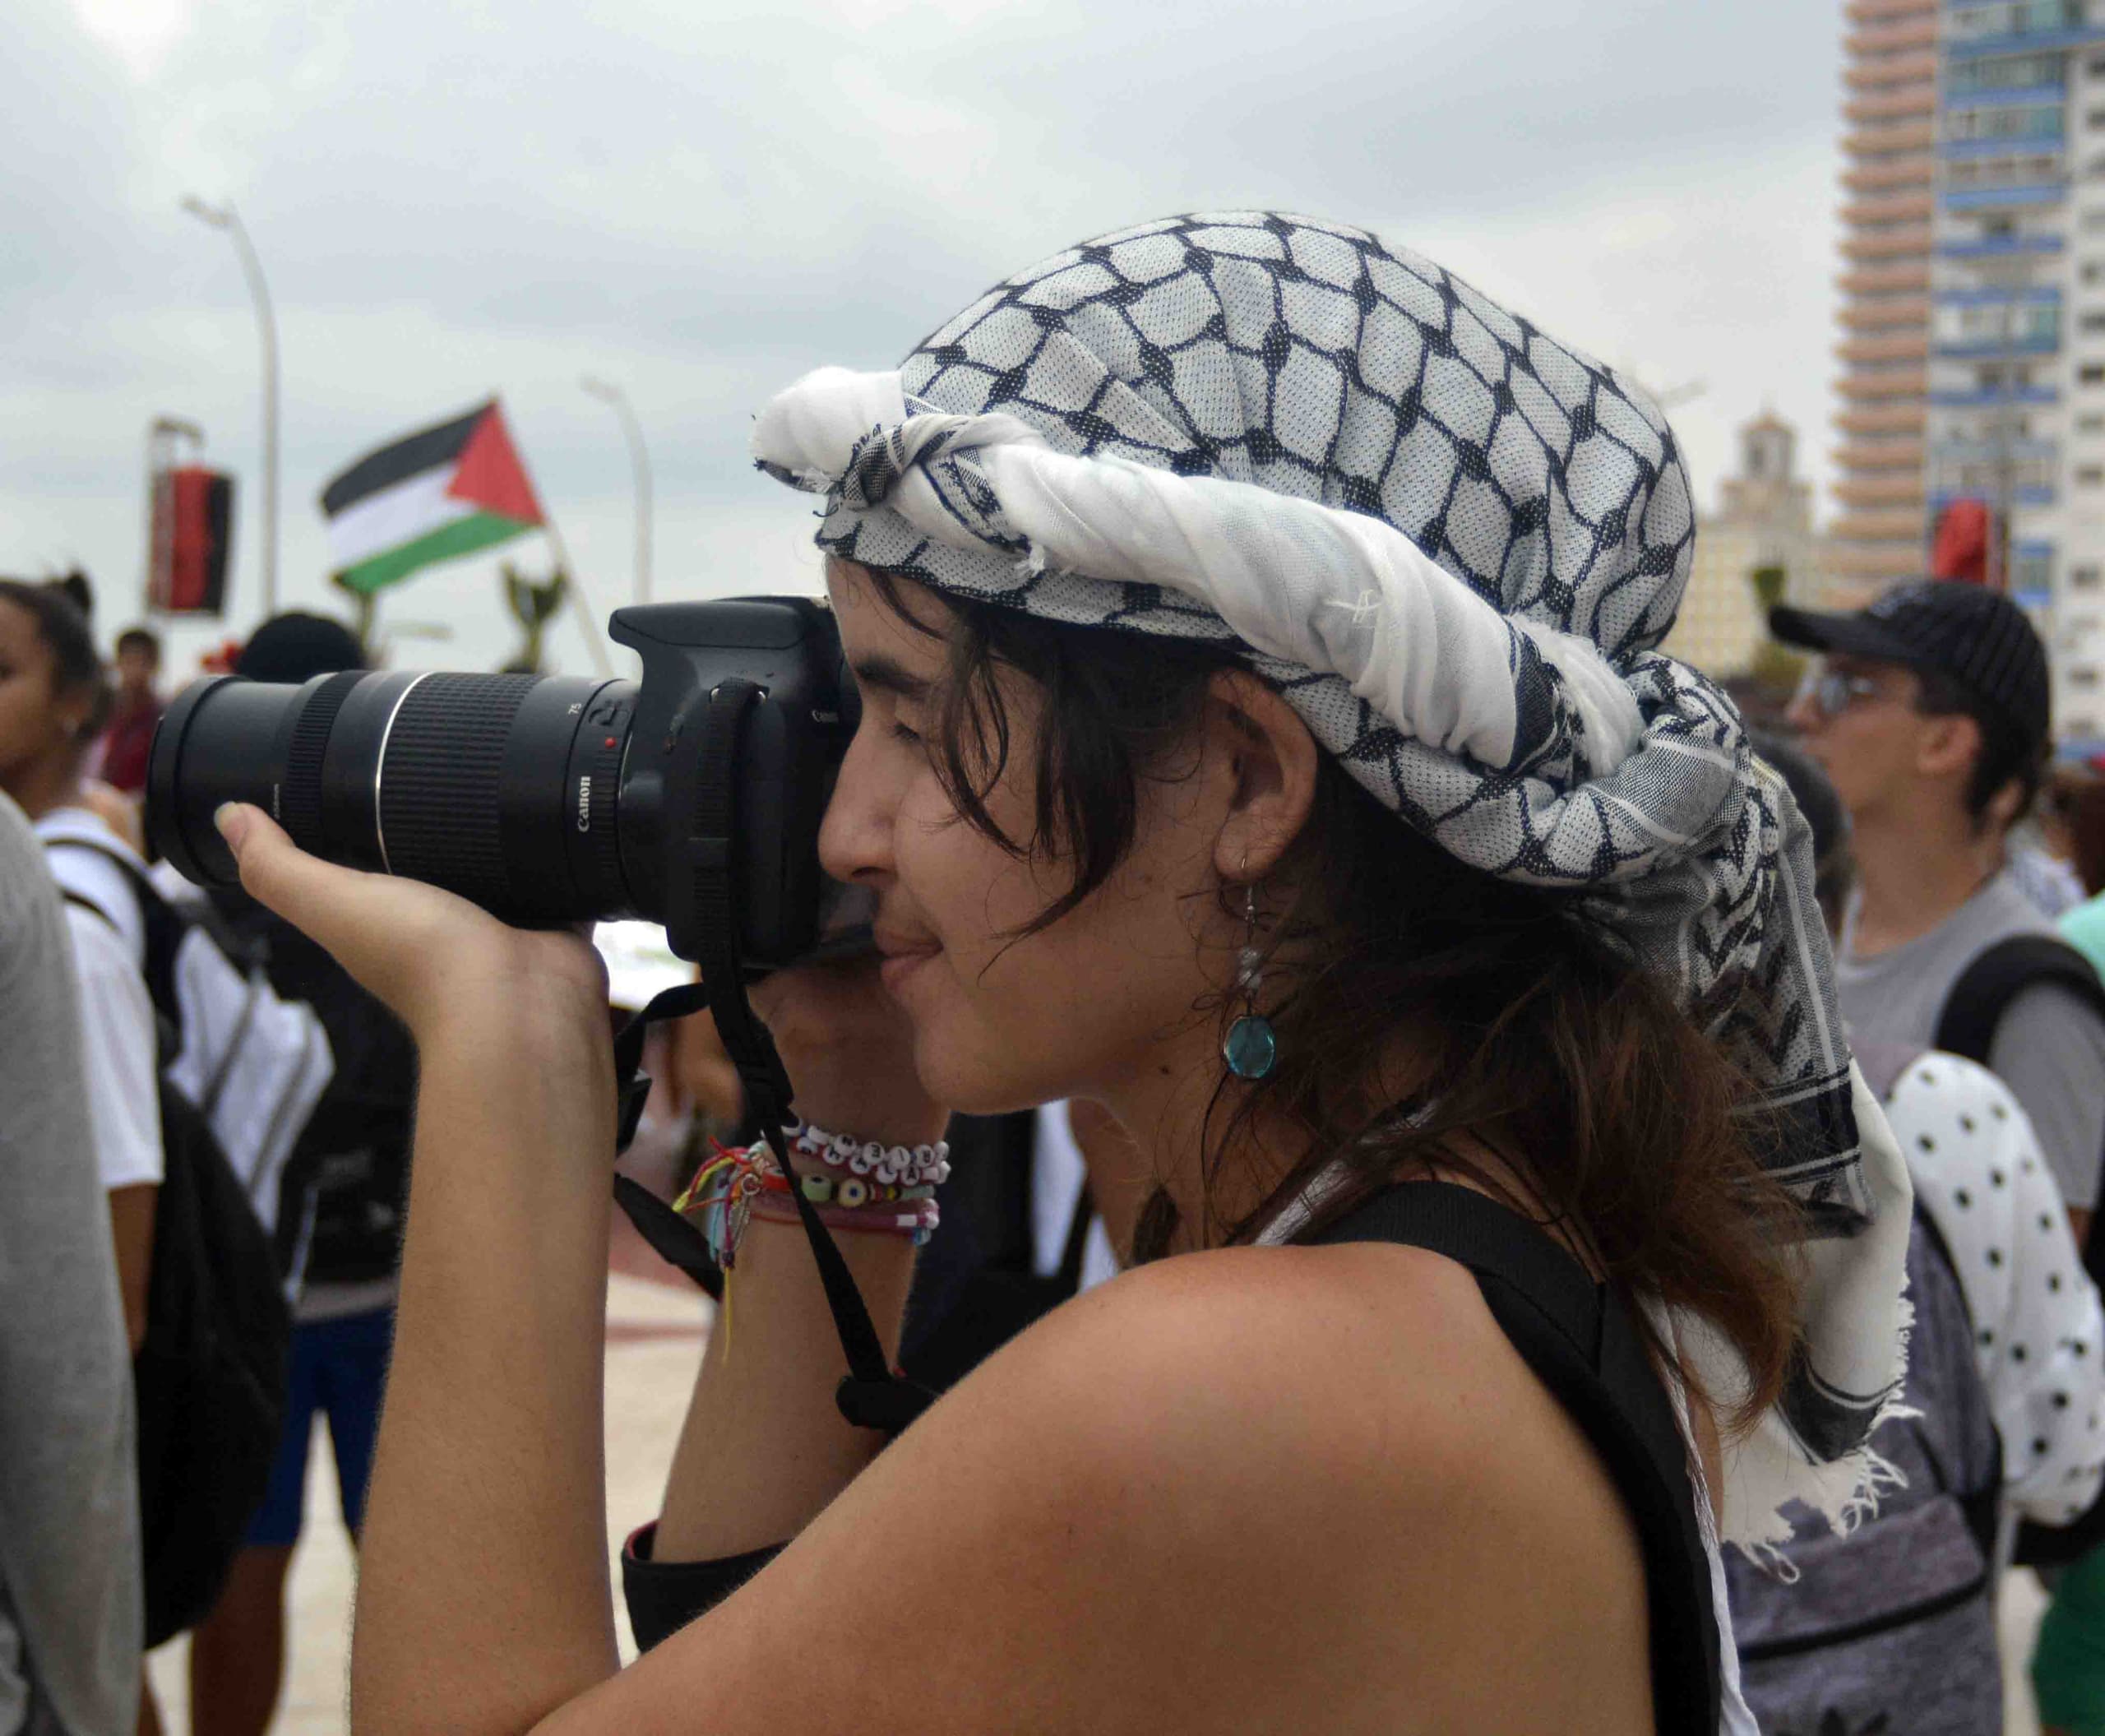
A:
(1767, 1470)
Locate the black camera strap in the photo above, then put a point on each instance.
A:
(703, 895)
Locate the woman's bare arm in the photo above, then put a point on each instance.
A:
(131, 1231)
(482, 1595)
(764, 1447)
(484, 1602)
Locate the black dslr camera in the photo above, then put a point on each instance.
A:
(692, 800)
(554, 799)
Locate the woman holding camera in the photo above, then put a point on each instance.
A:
(1262, 736)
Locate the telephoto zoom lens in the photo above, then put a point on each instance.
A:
(504, 789)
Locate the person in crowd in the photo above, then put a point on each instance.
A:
(1892, 1625)
(2049, 880)
(2079, 819)
(59, 700)
(70, 1604)
(59, 697)
(1262, 734)
(1929, 711)
(129, 738)
(2080, 803)
(343, 1191)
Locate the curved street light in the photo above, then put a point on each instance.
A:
(639, 457)
(226, 218)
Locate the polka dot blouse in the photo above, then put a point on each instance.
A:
(2038, 1330)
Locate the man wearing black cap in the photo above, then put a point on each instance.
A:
(1928, 710)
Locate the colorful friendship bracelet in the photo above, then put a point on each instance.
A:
(862, 1185)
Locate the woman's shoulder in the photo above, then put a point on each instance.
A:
(1371, 1376)
(1325, 1468)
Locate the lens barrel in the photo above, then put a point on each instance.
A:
(505, 789)
(693, 797)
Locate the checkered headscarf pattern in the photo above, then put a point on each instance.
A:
(1310, 359)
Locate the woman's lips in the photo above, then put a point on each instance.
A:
(899, 966)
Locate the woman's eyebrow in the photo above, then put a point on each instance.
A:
(885, 676)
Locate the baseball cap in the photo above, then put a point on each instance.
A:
(1977, 636)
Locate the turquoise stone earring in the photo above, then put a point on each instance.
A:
(1250, 1049)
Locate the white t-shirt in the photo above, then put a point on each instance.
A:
(117, 1035)
(1058, 1176)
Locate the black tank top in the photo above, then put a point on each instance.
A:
(1580, 1341)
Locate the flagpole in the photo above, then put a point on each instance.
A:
(588, 617)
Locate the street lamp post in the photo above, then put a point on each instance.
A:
(639, 458)
(226, 218)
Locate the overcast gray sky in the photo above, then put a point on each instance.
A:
(700, 201)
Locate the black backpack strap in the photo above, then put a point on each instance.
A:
(1074, 1250)
(1581, 1342)
(1986, 988)
(1982, 994)
(1981, 1505)
(703, 907)
(160, 989)
(81, 901)
(164, 924)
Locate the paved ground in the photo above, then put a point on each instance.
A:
(655, 1334)
(2023, 1603)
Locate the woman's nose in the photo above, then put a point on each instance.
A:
(855, 835)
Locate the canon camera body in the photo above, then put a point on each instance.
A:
(549, 799)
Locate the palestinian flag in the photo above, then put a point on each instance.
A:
(432, 496)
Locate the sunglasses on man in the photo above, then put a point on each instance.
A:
(1834, 691)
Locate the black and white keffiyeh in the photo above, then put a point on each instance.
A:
(1454, 545)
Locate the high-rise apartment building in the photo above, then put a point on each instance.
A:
(1973, 306)
(1889, 148)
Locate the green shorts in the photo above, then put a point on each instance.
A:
(2068, 1668)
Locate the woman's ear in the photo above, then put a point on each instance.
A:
(1272, 761)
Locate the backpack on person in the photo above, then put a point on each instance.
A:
(344, 1187)
(240, 1071)
(1890, 1625)
(1971, 1013)
(1974, 1009)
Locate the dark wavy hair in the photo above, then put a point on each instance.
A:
(1532, 1035)
(62, 624)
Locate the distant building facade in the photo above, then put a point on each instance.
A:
(1973, 307)
(1764, 520)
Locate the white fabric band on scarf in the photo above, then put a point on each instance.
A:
(1295, 578)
